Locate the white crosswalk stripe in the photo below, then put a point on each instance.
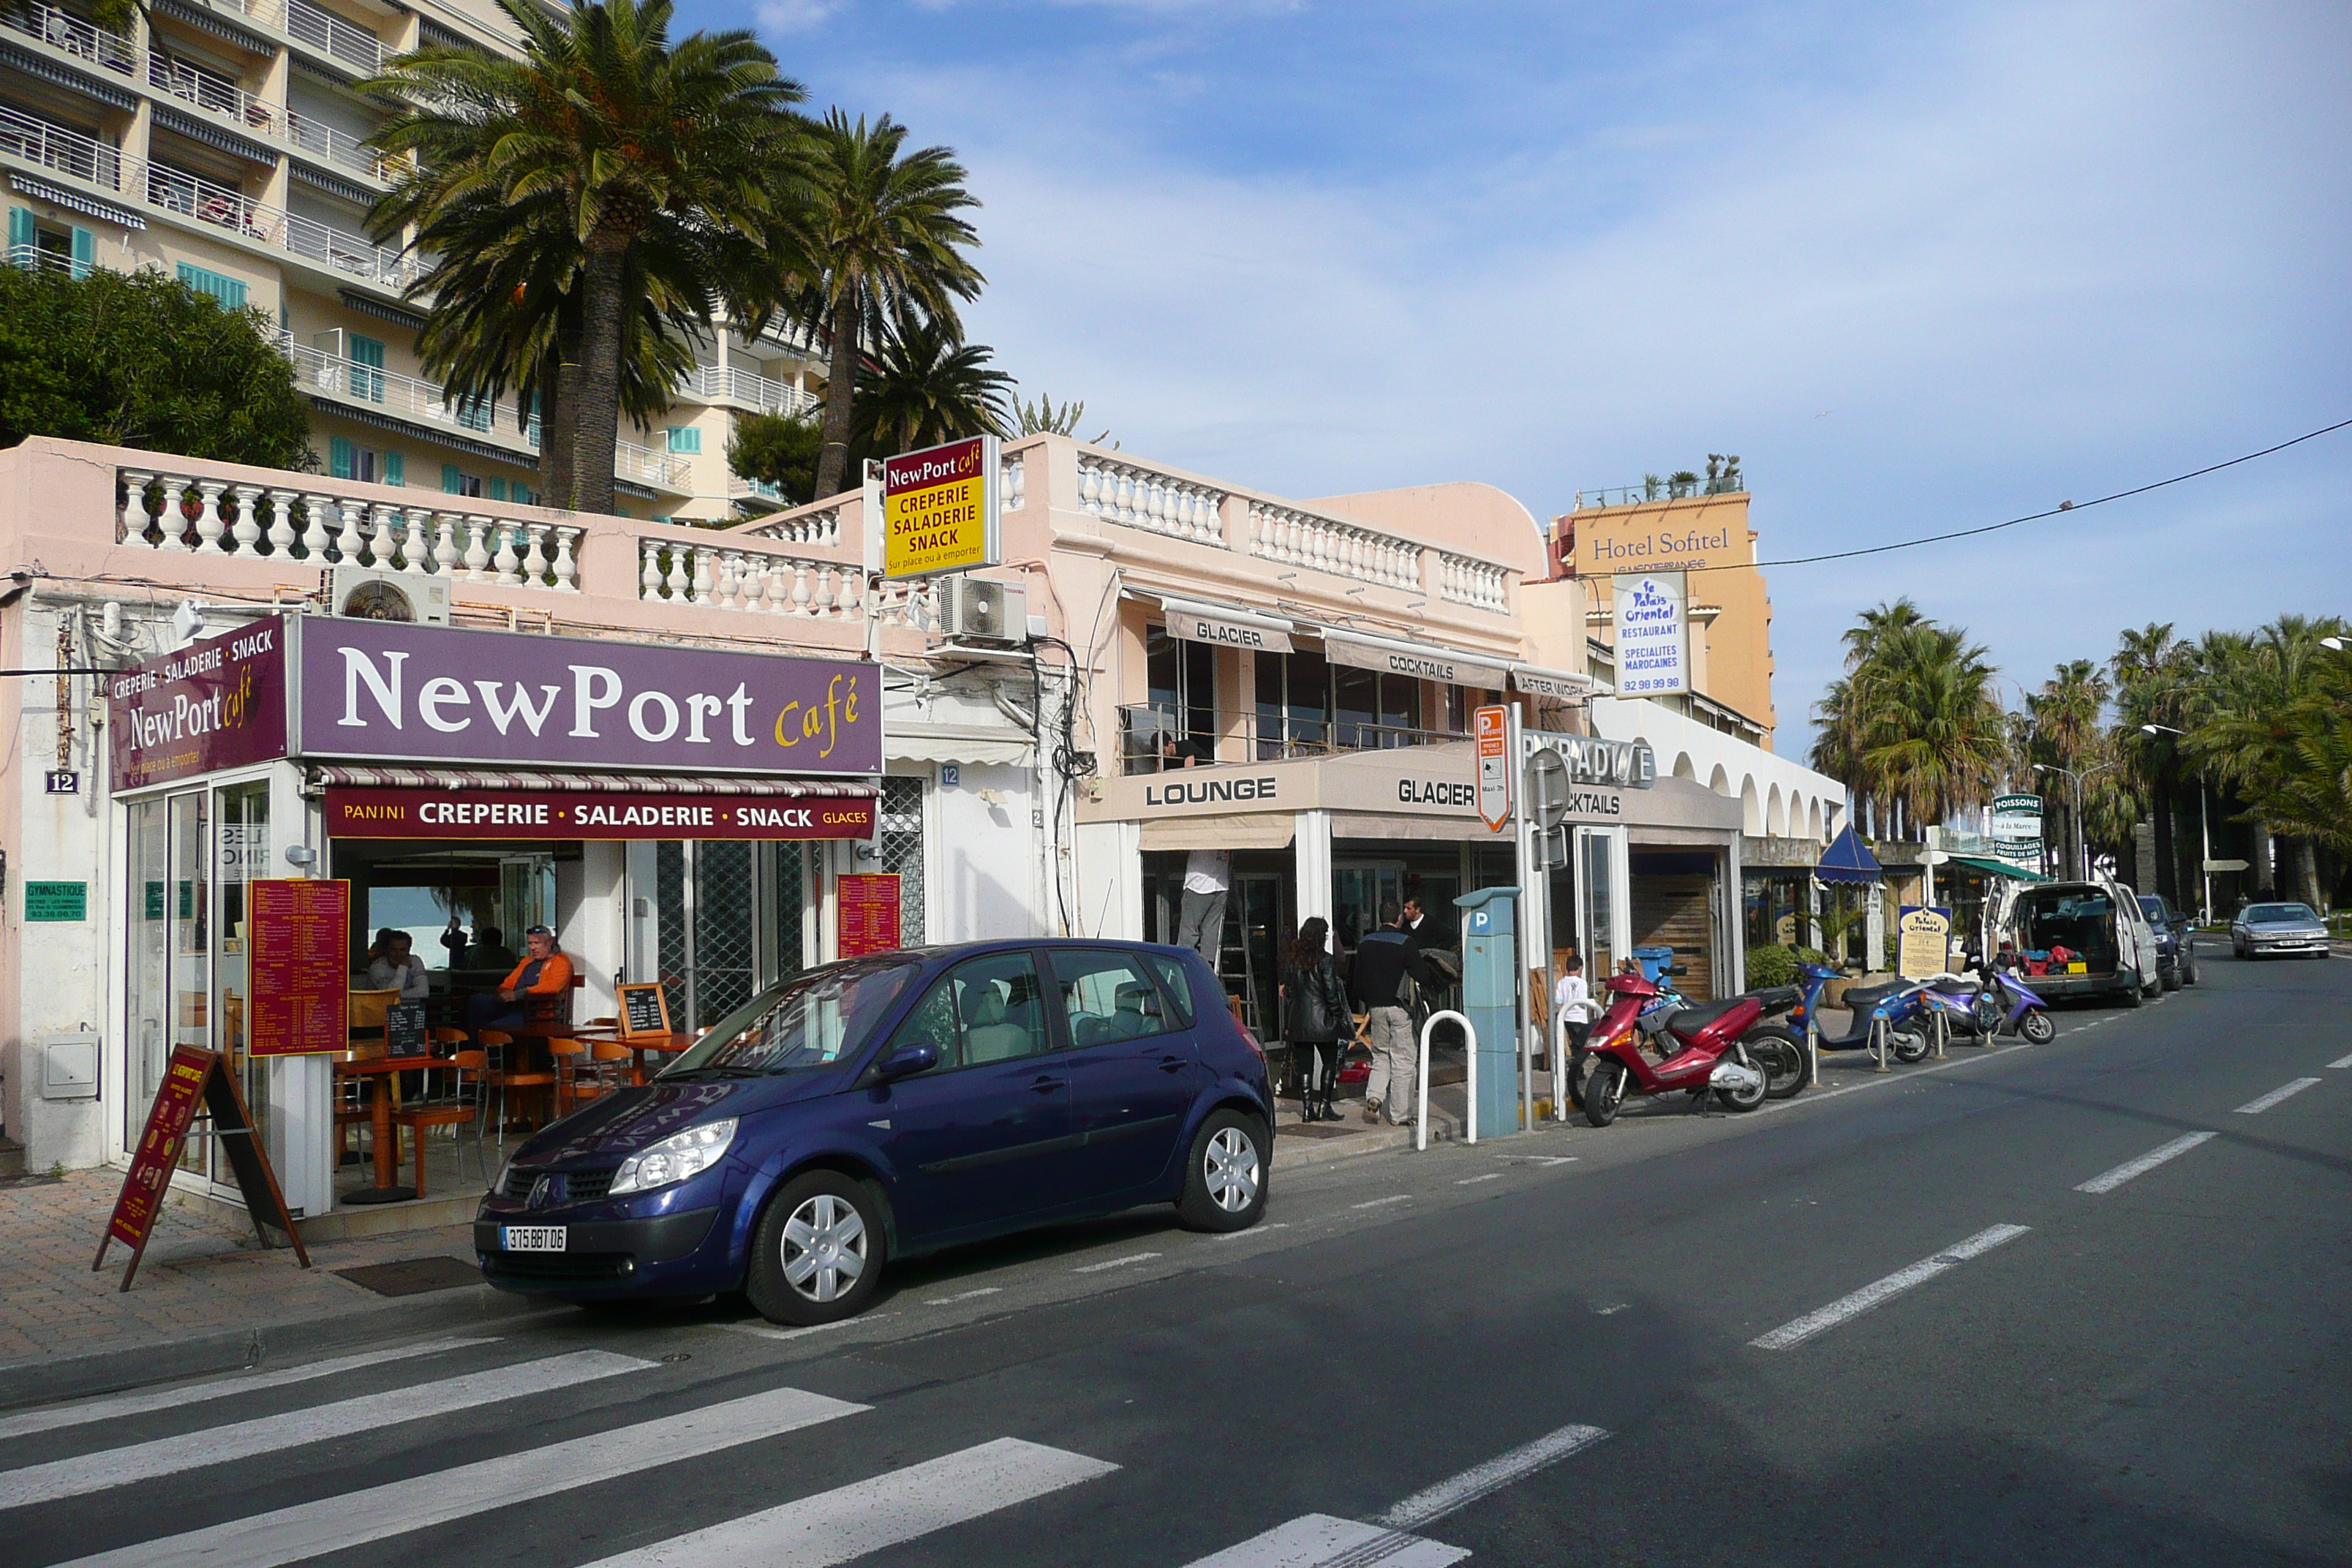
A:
(54, 1416)
(331, 1523)
(1320, 1541)
(299, 1429)
(849, 1522)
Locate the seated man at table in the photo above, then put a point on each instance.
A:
(543, 971)
(393, 966)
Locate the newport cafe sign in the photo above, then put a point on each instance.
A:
(387, 690)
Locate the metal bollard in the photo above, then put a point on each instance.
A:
(1421, 1114)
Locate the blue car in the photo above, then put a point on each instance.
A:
(890, 1106)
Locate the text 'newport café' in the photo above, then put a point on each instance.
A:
(291, 790)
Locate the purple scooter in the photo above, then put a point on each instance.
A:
(2002, 1007)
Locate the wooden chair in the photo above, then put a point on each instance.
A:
(573, 1083)
(504, 1075)
(418, 1118)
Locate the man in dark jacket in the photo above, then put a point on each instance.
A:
(1384, 961)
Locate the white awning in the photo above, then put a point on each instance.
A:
(1195, 621)
(946, 745)
(1243, 830)
(1422, 661)
(1540, 682)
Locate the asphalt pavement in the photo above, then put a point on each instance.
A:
(2070, 1304)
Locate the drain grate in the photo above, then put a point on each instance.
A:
(414, 1276)
(1314, 1129)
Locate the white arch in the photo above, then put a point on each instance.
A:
(1721, 782)
(1751, 810)
(1776, 815)
(1683, 768)
(1813, 819)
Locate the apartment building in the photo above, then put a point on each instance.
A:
(223, 141)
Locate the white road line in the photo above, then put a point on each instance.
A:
(1116, 1263)
(354, 1519)
(1798, 1331)
(850, 1521)
(965, 1296)
(2284, 1091)
(1258, 1229)
(299, 1429)
(769, 1331)
(1377, 1203)
(1320, 1541)
(1436, 1502)
(49, 1420)
(1474, 1181)
(2340, 1063)
(2108, 1180)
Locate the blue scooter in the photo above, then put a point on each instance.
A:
(1897, 1008)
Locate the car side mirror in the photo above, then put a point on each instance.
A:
(906, 1062)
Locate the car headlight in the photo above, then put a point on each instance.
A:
(674, 1158)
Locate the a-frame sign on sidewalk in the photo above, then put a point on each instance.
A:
(195, 1078)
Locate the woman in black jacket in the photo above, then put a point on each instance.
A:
(1315, 1018)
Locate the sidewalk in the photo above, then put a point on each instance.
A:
(207, 1296)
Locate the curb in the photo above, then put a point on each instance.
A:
(47, 1379)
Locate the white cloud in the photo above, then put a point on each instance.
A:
(797, 15)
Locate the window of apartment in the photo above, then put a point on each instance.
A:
(1181, 682)
(32, 243)
(226, 291)
(349, 461)
(454, 483)
(1308, 704)
(684, 440)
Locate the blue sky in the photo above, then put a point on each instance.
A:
(1921, 266)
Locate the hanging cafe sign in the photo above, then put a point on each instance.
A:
(939, 508)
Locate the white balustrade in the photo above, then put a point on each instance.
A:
(764, 393)
(72, 35)
(813, 530)
(725, 576)
(1481, 584)
(1016, 482)
(1298, 538)
(340, 529)
(1145, 498)
(330, 35)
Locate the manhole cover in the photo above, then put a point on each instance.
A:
(414, 1276)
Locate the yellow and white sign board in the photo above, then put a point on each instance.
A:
(938, 509)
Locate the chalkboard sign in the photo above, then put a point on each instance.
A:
(645, 1012)
(404, 1029)
(194, 1078)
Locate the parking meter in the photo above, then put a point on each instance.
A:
(1490, 999)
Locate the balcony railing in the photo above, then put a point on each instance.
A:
(631, 461)
(1465, 580)
(32, 258)
(215, 93)
(70, 34)
(1154, 738)
(1681, 487)
(1145, 498)
(726, 577)
(811, 531)
(168, 513)
(1297, 538)
(349, 381)
(55, 147)
(339, 148)
(332, 34)
(350, 254)
(712, 383)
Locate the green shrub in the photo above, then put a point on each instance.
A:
(1774, 964)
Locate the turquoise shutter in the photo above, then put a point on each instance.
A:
(367, 383)
(84, 252)
(21, 233)
(340, 460)
(685, 440)
(495, 490)
(452, 482)
(396, 468)
(225, 291)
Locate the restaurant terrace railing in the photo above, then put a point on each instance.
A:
(813, 530)
(1141, 496)
(1465, 580)
(172, 512)
(722, 574)
(1299, 538)
(1154, 738)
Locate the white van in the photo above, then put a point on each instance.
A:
(2099, 920)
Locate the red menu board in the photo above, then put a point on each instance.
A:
(298, 936)
(868, 902)
(159, 1147)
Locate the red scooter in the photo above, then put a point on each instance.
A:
(1702, 1045)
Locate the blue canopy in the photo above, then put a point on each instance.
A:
(1847, 860)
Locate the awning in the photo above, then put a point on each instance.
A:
(75, 200)
(1245, 830)
(1395, 827)
(1847, 860)
(1422, 661)
(1540, 682)
(479, 804)
(946, 745)
(213, 136)
(1195, 621)
(320, 180)
(1998, 867)
(64, 74)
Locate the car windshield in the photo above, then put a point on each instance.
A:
(2152, 908)
(810, 1021)
(2278, 914)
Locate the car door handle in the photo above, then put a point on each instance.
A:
(1046, 1084)
(1171, 1063)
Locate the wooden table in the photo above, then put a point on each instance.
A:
(667, 1045)
(378, 1071)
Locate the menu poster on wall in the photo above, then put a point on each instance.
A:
(301, 953)
(868, 902)
(195, 1078)
(1924, 945)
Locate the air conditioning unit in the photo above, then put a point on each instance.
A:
(368, 594)
(973, 610)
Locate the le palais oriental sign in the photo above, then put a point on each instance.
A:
(318, 687)
(939, 508)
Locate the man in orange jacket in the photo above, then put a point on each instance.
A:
(543, 971)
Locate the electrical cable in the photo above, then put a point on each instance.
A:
(2064, 507)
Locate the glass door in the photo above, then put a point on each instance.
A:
(1603, 904)
(147, 1036)
(241, 813)
(1359, 889)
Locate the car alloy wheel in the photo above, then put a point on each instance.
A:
(824, 1248)
(1229, 1170)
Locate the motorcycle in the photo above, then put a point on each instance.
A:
(1775, 1050)
(2004, 1006)
(1705, 1050)
(1897, 1007)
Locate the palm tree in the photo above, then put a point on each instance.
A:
(2063, 729)
(2151, 669)
(624, 146)
(882, 242)
(927, 388)
(1933, 735)
(2273, 721)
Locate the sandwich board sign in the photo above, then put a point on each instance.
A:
(196, 1081)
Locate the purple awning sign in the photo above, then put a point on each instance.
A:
(387, 689)
(218, 703)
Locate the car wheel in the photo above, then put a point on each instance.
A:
(1224, 1179)
(1604, 1092)
(2154, 987)
(2188, 973)
(2170, 978)
(818, 1254)
(2129, 995)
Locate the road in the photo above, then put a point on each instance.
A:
(2072, 1304)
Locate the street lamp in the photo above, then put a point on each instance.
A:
(2204, 827)
(2082, 845)
(2333, 644)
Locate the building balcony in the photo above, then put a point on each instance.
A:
(1155, 737)
(34, 141)
(70, 34)
(715, 384)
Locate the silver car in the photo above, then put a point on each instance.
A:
(2262, 929)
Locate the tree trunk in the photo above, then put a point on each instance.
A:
(596, 405)
(840, 389)
(555, 419)
(2260, 876)
(2306, 872)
